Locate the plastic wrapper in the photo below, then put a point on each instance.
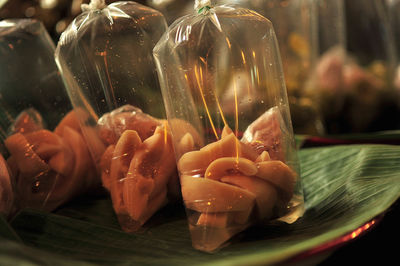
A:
(224, 92)
(105, 57)
(48, 159)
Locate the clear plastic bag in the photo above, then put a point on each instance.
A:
(105, 57)
(224, 92)
(45, 151)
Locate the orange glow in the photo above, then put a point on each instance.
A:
(338, 241)
(199, 79)
(203, 60)
(165, 132)
(236, 119)
(284, 3)
(104, 55)
(258, 75)
(220, 110)
(11, 46)
(243, 57)
(228, 42)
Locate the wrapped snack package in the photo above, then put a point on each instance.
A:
(105, 57)
(227, 107)
(47, 167)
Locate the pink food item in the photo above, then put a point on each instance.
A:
(50, 168)
(27, 121)
(328, 72)
(138, 166)
(354, 76)
(113, 124)
(229, 184)
(268, 133)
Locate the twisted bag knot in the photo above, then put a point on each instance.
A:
(93, 5)
(198, 4)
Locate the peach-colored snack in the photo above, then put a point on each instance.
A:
(139, 169)
(267, 134)
(113, 124)
(229, 184)
(27, 121)
(50, 168)
(139, 175)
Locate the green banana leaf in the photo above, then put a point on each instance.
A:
(344, 186)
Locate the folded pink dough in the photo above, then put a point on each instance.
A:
(137, 166)
(230, 184)
(49, 168)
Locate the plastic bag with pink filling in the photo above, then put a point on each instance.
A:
(138, 166)
(225, 97)
(49, 168)
(105, 58)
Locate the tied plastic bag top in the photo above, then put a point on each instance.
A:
(226, 102)
(105, 57)
(48, 160)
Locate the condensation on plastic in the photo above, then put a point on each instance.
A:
(224, 92)
(105, 57)
(28, 74)
(46, 166)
